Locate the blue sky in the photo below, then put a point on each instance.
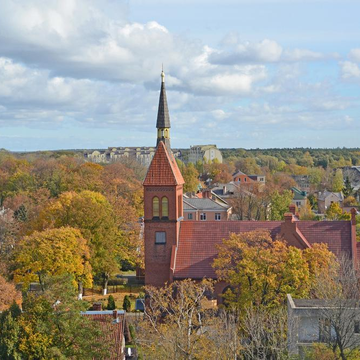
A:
(244, 73)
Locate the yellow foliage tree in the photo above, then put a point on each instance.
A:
(53, 252)
(261, 271)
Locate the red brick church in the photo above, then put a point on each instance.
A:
(177, 249)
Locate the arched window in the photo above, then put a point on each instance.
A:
(155, 208)
(164, 207)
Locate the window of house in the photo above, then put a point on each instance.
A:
(202, 216)
(217, 216)
(164, 207)
(155, 208)
(245, 179)
(160, 237)
(298, 203)
(356, 327)
(190, 216)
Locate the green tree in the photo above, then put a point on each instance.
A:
(347, 189)
(51, 327)
(337, 181)
(279, 204)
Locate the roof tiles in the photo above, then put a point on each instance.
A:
(197, 243)
(163, 169)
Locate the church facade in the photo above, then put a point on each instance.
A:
(177, 249)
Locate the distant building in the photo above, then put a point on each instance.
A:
(242, 178)
(303, 182)
(326, 198)
(141, 154)
(204, 153)
(299, 197)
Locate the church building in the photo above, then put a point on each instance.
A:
(176, 249)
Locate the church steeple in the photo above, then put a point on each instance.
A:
(163, 118)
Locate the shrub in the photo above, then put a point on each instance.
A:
(127, 303)
(111, 303)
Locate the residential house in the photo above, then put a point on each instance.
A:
(299, 197)
(326, 198)
(242, 178)
(205, 209)
(303, 182)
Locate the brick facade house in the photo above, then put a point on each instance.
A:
(177, 249)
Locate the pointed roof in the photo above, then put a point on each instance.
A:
(163, 169)
(163, 118)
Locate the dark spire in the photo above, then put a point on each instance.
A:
(163, 118)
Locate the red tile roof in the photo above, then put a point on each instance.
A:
(163, 169)
(196, 250)
(197, 242)
(336, 234)
(112, 325)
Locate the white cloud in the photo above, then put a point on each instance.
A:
(349, 70)
(263, 51)
(355, 55)
(302, 55)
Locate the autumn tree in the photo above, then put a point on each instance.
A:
(190, 175)
(93, 215)
(261, 271)
(174, 323)
(8, 294)
(335, 212)
(53, 252)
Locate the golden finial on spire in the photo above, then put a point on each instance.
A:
(162, 73)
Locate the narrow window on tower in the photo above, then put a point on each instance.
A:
(164, 207)
(180, 204)
(160, 237)
(155, 208)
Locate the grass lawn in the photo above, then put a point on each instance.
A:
(119, 297)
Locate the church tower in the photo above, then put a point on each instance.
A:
(163, 199)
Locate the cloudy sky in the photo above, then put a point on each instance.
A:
(239, 73)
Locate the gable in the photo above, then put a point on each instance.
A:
(163, 169)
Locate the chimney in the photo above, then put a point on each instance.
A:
(206, 193)
(288, 217)
(224, 189)
(353, 216)
(115, 314)
(292, 209)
